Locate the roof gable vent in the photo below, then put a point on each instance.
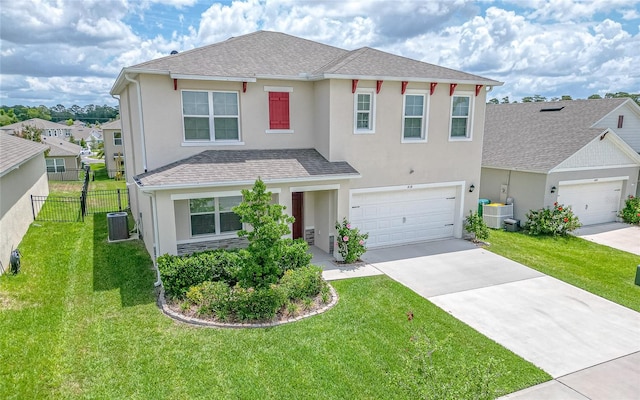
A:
(551, 109)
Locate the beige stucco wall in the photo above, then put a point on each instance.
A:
(110, 149)
(322, 118)
(16, 214)
(525, 188)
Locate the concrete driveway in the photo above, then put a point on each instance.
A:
(620, 236)
(580, 339)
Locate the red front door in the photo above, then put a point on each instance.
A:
(297, 212)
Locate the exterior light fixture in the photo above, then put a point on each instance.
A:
(553, 189)
(472, 188)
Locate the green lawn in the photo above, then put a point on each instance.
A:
(80, 321)
(601, 270)
(100, 181)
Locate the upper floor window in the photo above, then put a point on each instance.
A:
(364, 116)
(211, 116)
(413, 122)
(117, 138)
(461, 116)
(214, 215)
(55, 164)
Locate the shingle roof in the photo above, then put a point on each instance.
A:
(520, 136)
(60, 147)
(275, 54)
(217, 167)
(371, 62)
(117, 124)
(35, 122)
(15, 151)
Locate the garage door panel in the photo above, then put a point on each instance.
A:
(593, 203)
(404, 216)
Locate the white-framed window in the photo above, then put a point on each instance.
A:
(117, 138)
(214, 215)
(461, 116)
(414, 125)
(364, 111)
(211, 116)
(55, 164)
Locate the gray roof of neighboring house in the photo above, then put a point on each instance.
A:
(15, 151)
(60, 147)
(213, 167)
(521, 136)
(117, 124)
(265, 54)
(35, 122)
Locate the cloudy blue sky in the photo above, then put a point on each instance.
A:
(70, 51)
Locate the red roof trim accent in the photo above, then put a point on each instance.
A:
(354, 85)
(478, 87)
(433, 88)
(452, 88)
(244, 87)
(175, 84)
(404, 86)
(378, 86)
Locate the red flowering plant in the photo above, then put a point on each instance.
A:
(558, 220)
(631, 211)
(351, 243)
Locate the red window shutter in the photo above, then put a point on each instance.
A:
(279, 110)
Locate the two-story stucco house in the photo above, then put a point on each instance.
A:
(392, 144)
(113, 148)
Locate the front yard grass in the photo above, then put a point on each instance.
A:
(80, 321)
(601, 270)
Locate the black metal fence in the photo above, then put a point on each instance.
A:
(98, 201)
(67, 175)
(57, 208)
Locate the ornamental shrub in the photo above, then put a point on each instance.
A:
(212, 298)
(305, 282)
(351, 243)
(179, 273)
(475, 224)
(293, 254)
(257, 304)
(558, 220)
(631, 211)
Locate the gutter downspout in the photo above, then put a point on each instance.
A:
(144, 147)
(156, 238)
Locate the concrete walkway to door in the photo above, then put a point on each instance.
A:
(591, 346)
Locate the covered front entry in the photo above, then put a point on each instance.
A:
(593, 202)
(405, 215)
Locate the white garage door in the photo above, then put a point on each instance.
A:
(594, 202)
(404, 216)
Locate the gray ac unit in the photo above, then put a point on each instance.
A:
(118, 226)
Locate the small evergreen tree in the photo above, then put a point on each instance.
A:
(269, 224)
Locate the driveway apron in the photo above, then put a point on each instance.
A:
(554, 325)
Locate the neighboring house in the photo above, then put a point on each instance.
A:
(91, 136)
(49, 128)
(113, 148)
(392, 144)
(570, 152)
(63, 159)
(22, 174)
